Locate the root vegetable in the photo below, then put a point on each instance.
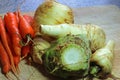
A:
(94, 33)
(25, 29)
(68, 57)
(3, 36)
(101, 61)
(29, 19)
(16, 58)
(11, 24)
(25, 51)
(38, 47)
(52, 12)
(4, 59)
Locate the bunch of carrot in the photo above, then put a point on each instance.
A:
(14, 29)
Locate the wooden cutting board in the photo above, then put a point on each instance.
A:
(108, 17)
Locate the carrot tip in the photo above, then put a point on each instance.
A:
(8, 76)
(18, 70)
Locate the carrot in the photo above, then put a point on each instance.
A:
(25, 28)
(16, 13)
(25, 51)
(16, 44)
(12, 27)
(16, 58)
(29, 19)
(16, 62)
(4, 59)
(11, 22)
(5, 44)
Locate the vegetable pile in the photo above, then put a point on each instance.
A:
(64, 49)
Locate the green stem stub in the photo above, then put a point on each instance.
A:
(68, 56)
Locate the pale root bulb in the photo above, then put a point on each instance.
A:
(104, 58)
(52, 12)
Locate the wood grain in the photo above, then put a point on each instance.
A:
(108, 17)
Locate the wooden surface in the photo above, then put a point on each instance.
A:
(108, 17)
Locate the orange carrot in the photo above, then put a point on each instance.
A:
(16, 58)
(16, 62)
(25, 51)
(5, 44)
(16, 13)
(29, 19)
(25, 28)
(4, 59)
(12, 27)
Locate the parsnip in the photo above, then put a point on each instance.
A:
(101, 61)
(94, 33)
